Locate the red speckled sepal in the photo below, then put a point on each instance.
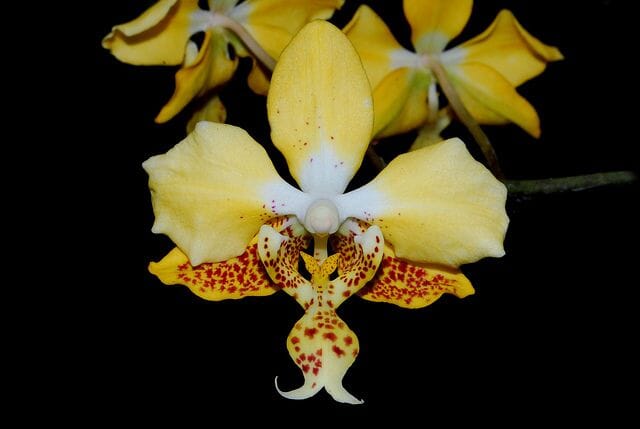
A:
(400, 282)
(232, 279)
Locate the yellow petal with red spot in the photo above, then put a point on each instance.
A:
(436, 205)
(157, 37)
(507, 48)
(232, 279)
(210, 68)
(212, 110)
(435, 22)
(400, 102)
(213, 190)
(406, 284)
(491, 99)
(274, 22)
(377, 47)
(413, 285)
(320, 109)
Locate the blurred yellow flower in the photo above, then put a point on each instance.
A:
(483, 71)
(259, 29)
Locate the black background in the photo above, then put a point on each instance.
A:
(549, 330)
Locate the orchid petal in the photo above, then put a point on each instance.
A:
(400, 102)
(210, 68)
(213, 190)
(436, 204)
(399, 282)
(274, 22)
(234, 278)
(320, 109)
(414, 285)
(491, 99)
(435, 22)
(213, 111)
(157, 37)
(507, 48)
(378, 49)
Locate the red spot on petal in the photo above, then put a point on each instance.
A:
(338, 351)
(305, 368)
(310, 332)
(329, 336)
(295, 340)
(348, 340)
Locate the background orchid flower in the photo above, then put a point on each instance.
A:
(483, 72)
(259, 29)
(214, 191)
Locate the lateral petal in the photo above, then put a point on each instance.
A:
(436, 205)
(212, 191)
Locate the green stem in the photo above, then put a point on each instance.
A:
(248, 40)
(569, 184)
(465, 117)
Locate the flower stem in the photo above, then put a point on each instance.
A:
(465, 117)
(248, 40)
(569, 184)
(320, 251)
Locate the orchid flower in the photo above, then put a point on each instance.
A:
(259, 29)
(398, 239)
(478, 76)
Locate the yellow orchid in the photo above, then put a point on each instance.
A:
(256, 28)
(481, 74)
(398, 239)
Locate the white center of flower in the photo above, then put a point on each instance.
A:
(322, 217)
